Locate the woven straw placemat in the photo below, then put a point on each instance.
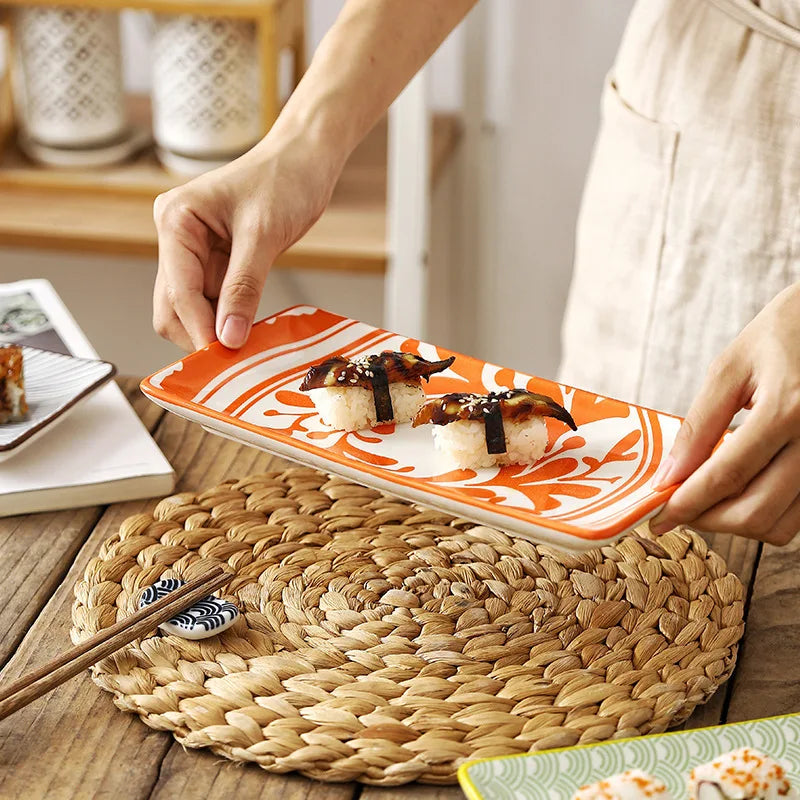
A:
(386, 643)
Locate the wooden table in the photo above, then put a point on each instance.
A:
(75, 744)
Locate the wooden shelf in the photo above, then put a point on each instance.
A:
(110, 211)
(246, 9)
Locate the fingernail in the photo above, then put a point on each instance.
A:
(661, 478)
(657, 528)
(234, 331)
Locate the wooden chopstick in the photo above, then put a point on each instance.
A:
(60, 669)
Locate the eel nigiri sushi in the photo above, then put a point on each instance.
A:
(354, 394)
(743, 774)
(476, 430)
(12, 385)
(631, 785)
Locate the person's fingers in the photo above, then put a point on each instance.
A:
(183, 249)
(185, 292)
(218, 261)
(784, 530)
(251, 258)
(172, 330)
(727, 472)
(165, 322)
(786, 527)
(725, 391)
(757, 511)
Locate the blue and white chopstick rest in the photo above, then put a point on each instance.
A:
(205, 618)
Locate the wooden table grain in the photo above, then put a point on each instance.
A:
(73, 744)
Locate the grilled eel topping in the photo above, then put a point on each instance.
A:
(515, 405)
(374, 372)
(12, 395)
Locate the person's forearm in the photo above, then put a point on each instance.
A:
(370, 53)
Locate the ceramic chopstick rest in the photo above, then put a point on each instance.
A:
(207, 618)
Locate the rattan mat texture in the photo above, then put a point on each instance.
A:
(385, 643)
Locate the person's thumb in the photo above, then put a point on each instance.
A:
(241, 289)
(711, 412)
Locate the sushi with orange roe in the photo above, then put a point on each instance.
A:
(631, 785)
(744, 774)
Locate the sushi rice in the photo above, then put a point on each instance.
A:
(352, 408)
(464, 443)
(631, 785)
(744, 774)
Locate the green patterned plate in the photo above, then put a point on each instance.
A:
(556, 774)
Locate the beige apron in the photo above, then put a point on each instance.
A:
(689, 223)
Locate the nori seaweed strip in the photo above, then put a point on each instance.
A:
(495, 431)
(380, 393)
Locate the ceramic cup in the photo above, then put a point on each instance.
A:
(68, 85)
(206, 89)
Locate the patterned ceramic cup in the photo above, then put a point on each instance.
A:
(68, 87)
(206, 87)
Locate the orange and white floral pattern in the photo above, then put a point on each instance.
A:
(590, 486)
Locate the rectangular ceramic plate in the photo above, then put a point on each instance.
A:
(590, 487)
(556, 774)
(54, 384)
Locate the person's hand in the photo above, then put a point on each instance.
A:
(219, 234)
(749, 485)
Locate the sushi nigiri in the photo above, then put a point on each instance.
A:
(743, 774)
(476, 430)
(631, 785)
(12, 385)
(351, 395)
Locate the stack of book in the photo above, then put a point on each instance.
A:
(98, 453)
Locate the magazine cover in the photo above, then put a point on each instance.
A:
(24, 321)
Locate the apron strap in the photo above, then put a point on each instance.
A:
(753, 16)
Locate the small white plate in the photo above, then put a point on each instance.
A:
(54, 385)
(106, 155)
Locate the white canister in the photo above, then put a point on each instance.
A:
(68, 84)
(206, 87)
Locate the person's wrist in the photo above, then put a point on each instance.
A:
(318, 130)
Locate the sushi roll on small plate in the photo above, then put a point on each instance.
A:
(38, 388)
(495, 429)
(352, 395)
(743, 774)
(631, 785)
(13, 407)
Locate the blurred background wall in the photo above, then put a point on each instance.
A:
(534, 69)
